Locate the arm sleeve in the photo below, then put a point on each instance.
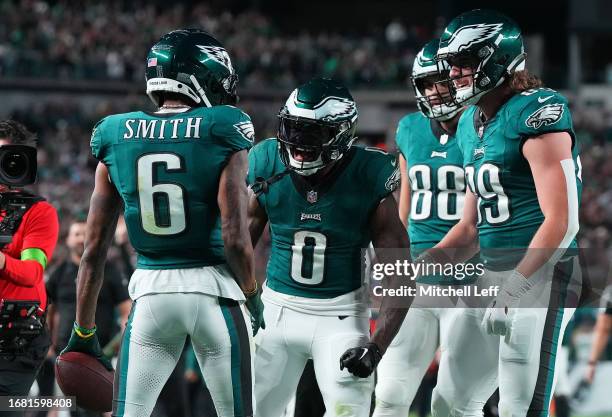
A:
(96, 141)
(233, 128)
(386, 175)
(544, 112)
(41, 229)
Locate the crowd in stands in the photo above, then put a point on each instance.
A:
(108, 41)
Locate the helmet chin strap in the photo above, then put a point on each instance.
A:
(200, 90)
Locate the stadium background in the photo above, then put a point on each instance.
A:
(66, 64)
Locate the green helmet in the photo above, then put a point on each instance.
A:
(486, 41)
(425, 69)
(192, 63)
(316, 125)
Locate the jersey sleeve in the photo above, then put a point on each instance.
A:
(385, 173)
(233, 128)
(401, 140)
(543, 111)
(96, 142)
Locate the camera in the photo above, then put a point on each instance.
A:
(17, 165)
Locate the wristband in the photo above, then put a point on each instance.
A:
(252, 292)
(83, 332)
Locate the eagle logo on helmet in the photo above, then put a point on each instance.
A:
(333, 108)
(545, 116)
(217, 54)
(466, 36)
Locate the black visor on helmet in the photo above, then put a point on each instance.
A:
(305, 133)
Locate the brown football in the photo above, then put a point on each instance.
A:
(82, 376)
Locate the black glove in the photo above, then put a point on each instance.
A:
(361, 361)
(89, 345)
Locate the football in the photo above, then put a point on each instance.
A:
(82, 376)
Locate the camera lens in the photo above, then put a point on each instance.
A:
(14, 164)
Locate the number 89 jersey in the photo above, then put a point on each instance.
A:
(437, 182)
(318, 232)
(166, 167)
(499, 175)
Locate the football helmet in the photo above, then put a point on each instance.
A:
(316, 125)
(193, 63)
(486, 41)
(427, 70)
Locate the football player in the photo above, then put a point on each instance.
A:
(179, 174)
(521, 162)
(324, 201)
(431, 202)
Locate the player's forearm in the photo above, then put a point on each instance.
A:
(239, 256)
(600, 336)
(547, 245)
(89, 282)
(459, 244)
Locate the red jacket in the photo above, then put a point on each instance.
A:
(23, 280)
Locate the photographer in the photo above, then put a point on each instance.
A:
(28, 234)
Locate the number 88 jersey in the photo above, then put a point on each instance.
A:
(166, 167)
(437, 182)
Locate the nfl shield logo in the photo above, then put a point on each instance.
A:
(311, 197)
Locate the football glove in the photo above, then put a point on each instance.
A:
(256, 308)
(86, 341)
(361, 361)
(496, 320)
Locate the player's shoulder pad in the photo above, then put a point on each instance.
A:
(380, 167)
(230, 121)
(539, 111)
(262, 158)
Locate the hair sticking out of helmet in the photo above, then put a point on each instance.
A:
(191, 63)
(433, 96)
(483, 48)
(316, 126)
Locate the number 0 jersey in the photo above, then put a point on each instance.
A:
(166, 167)
(499, 175)
(318, 232)
(437, 182)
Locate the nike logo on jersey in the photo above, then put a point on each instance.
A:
(310, 216)
(543, 99)
(440, 154)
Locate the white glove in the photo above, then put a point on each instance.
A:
(496, 320)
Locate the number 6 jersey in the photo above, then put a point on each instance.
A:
(166, 167)
(318, 232)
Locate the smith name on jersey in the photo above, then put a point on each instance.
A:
(499, 175)
(318, 233)
(173, 221)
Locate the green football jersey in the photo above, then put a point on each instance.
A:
(499, 175)
(166, 167)
(437, 181)
(318, 232)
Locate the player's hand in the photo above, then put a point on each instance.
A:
(256, 309)
(88, 344)
(590, 372)
(496, 320)
(361, 361)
